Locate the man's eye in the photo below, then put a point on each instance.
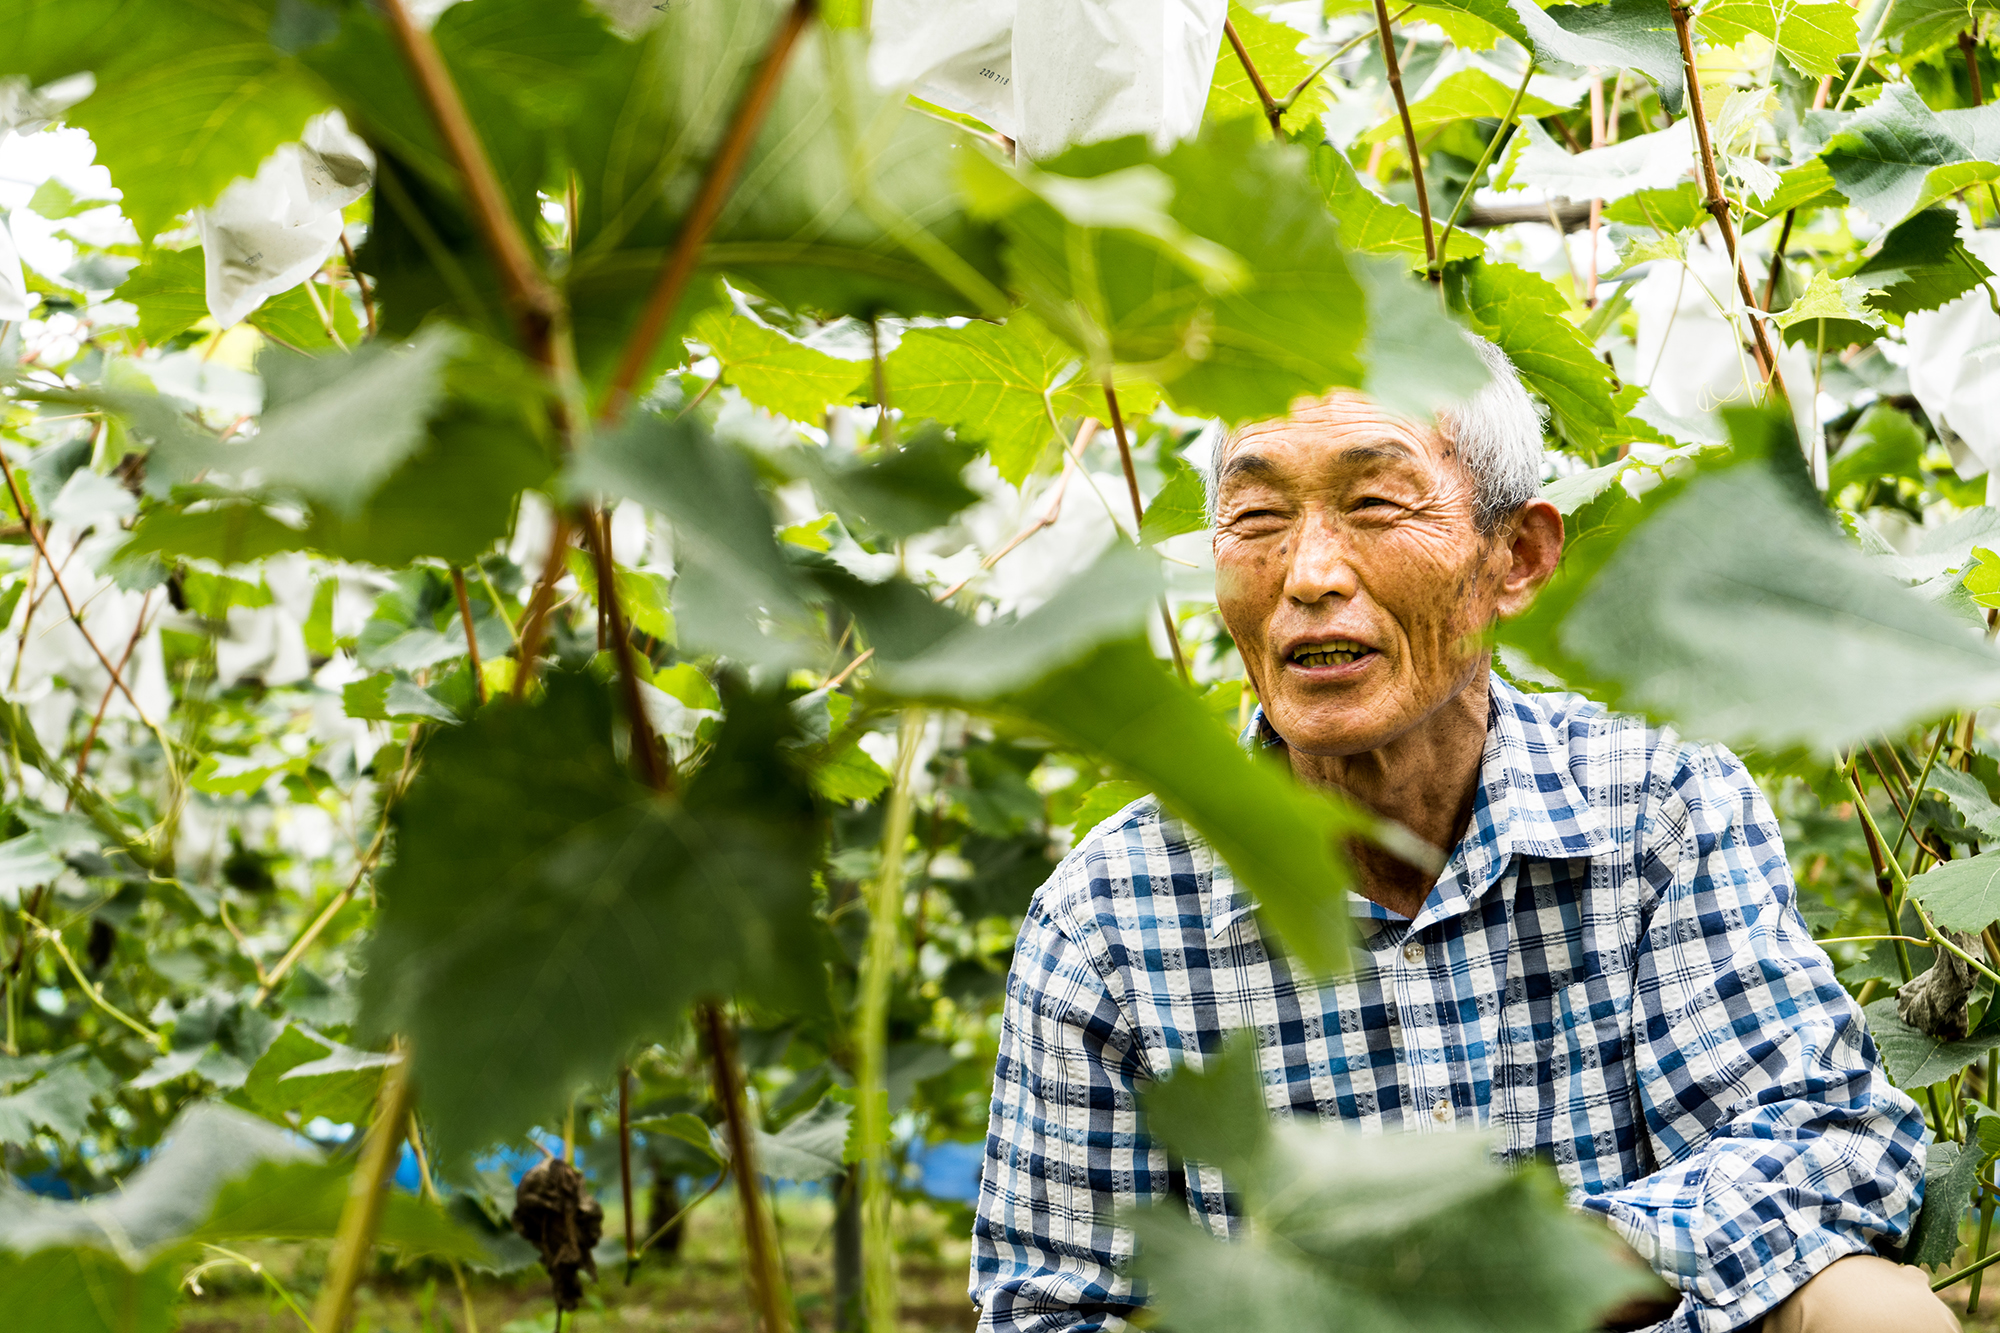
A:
(1373, 502)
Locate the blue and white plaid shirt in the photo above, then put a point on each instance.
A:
(1610, 973)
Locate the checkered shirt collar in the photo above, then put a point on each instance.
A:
(1528, 805)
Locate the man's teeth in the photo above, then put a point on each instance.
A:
(1334, 652)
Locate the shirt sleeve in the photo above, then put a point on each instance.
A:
(1063, 1150)
(1781, 1144)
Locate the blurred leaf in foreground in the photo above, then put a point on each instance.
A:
(1349, 1232)
(1728, 604)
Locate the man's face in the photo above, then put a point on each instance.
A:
(1352, 575)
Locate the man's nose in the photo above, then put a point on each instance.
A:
(1319, 564)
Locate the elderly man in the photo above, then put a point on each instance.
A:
(1610, 971)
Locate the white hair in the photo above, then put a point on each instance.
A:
(1497, 433)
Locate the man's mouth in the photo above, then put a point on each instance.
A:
(1330, 652)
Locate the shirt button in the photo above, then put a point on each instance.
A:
(1441, 1111)
(1413, 952)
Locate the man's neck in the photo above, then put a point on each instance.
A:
(1425, 780)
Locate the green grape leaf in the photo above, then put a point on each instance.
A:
(1884, 443)
(1961, 895)
(59, 1100)
(168, 290)
(1950, 1170)
(1898, 156)
(1812, 37)
(1468, 94)
(732, 579)
(778, 373)
(1646, 162)
(1527, 317)
(1436, 1235)
(1239, 300)
(80, 1289)
(1274, 49)
(1473, 25)
(1099, 804)
(1727, 602)
(1372, 223)
(912, 489)
(188, 95)
(838, 208)
(333, 427)
(989, 382)
(165, 1199)
(544, 913)
(1826, 297)
(1180, 506)
(1621, 34)
(1419, 361)
(1916, 1059)
(315, 1076)
(1215, 1114)
(1967, 796)
(1921, 265)
(1917, 28)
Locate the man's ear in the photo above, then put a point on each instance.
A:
(1534, 538)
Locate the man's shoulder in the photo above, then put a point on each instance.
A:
(1139, 851)
(1627, 766)
(1588, 732)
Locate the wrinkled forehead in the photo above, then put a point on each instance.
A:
(1342, 427)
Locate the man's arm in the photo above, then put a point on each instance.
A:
(1782, 1147)
(1063, 1150)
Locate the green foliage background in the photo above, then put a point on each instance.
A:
(321, 759)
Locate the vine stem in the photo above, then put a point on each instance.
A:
(362, 1211)
(1938, 938)
(765, 1273)
(531, 299)
(1472, 181)
(471, 638)
(721, 177)
(625, 1167)
(1395, 69)
(1273, 113)
(885, 910)
(721, 1178)
(354, 269)
(97, 718)
(1883, 884)
(540, 602)
(36, 535)
(94, 993)
(1867, 54)
(1718, 203)
(646, 748)
(1979, 1267)
(1917, 792)
(1139, 518)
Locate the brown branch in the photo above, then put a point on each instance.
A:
(1395, 69)
(1049, 516)
(532, 301)
(625, 1167)
(1971, 50)
(646, 748)
(471, 639)
(35, 535)
(835, 682)
(766, 1276)
(1273, 113)
(707, 207)
(1778, 258)
(97, 719)
(1718, 203)
(354, 270)
(366, 1190)
(540, 602)
(1139, 519)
